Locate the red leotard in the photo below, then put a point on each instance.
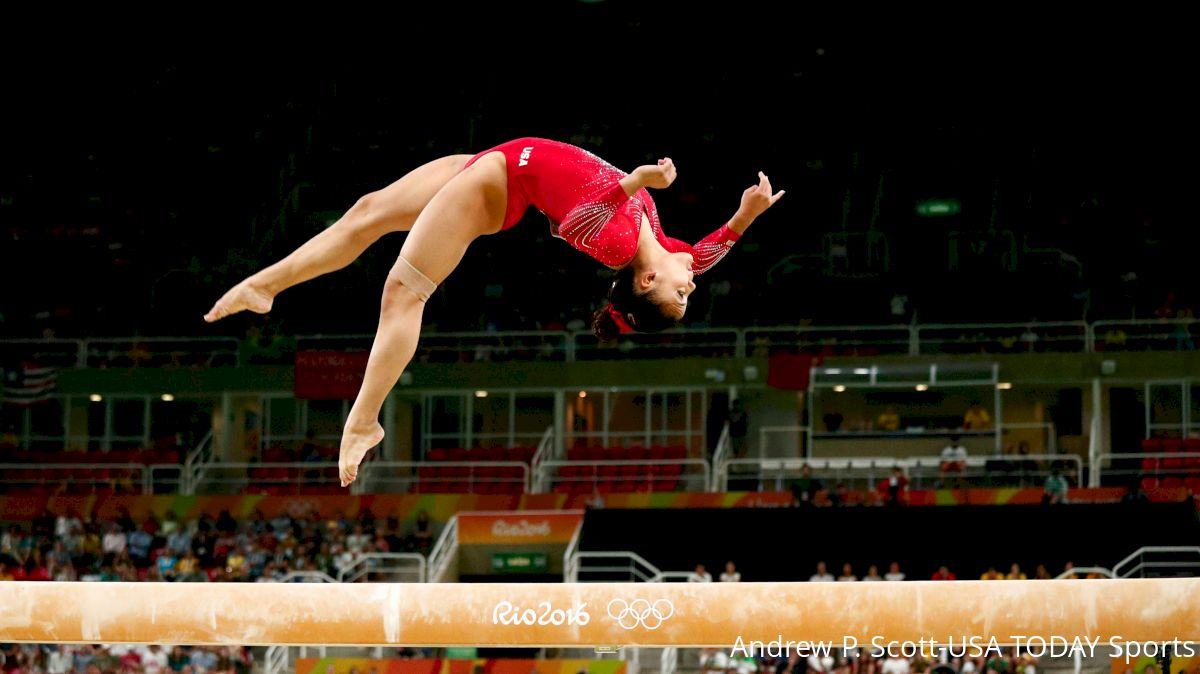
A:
(581, 195)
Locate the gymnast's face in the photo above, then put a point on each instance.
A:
(670, 284)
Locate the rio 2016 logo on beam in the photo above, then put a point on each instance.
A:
(506, 613)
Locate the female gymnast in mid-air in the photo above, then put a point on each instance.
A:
(449, 202)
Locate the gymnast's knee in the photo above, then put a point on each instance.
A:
(407, 285)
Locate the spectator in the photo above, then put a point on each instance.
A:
(1015, 573)
(1135, 495)
(894, 573)
(976, 417)
(944, 573)
(422, 533)
(822, 575)
(154, 660)
(897, 487)
(1055, 489)
(992, 574)
(730, 575)
(139, 545)
(358, 540)
(179, 541)
(894, 665)
(114, 540)
(954, 458)
(1042, 573)
(4, 574)
(872, 574)
(806, 487)
(847, 574)
(699, 575)
(888, 420)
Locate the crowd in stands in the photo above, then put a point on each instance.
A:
(258, 549)
(123, 659)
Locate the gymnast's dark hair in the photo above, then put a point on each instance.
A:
(636, 310)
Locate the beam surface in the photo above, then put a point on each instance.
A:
(596, 614)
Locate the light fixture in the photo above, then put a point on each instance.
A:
(481, 394)
(95, 397)
(922, 387)
(167, 397)
(862, 370)
(1004, 385)
(583, 394)
(839, 388)
(833, 370)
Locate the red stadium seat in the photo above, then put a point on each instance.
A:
(1171, 483)
(1150, 464)
(1149, 483)
(1193, 483)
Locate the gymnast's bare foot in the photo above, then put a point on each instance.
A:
(357, 440)
(242, 297)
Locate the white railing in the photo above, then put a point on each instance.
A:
(276, 660)
(392, 567)
(449, 346)
(381, 476)
(1131, 465)
(842, 340)
(1157, 335)
(444, 551)
(1083, 571)
(1069, 337)
(197, 462)
(690, 474)
(866, 340)
(570, 557)
(545, 450)
(614, 566)
(720, 460)
(75, 478)
(1137, 564)
(669, 660)
(778, 473)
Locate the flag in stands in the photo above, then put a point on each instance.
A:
(27, 383)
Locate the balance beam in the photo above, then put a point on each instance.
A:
(595, 614)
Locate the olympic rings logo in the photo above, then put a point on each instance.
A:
(640, 612)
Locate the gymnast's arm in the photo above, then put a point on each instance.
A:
(756, 199)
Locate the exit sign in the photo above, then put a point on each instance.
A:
(938, 207)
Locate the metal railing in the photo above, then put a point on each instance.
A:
(1123, 468)
(444, 552)
(375, 476)
(197, 462)
(455, 347)
(644, 475)
(611, 567)
(720, 459)
(1027, 470)
(545, 449)
(992, 338)
(1137, 564)
(391, 567)
(75, 478)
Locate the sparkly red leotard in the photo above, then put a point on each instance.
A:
(581, 195)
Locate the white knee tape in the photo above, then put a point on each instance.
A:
(410, 277)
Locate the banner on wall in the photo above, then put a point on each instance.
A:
(518, 528)
(329, 375)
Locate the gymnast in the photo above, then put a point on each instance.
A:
(448, 203)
